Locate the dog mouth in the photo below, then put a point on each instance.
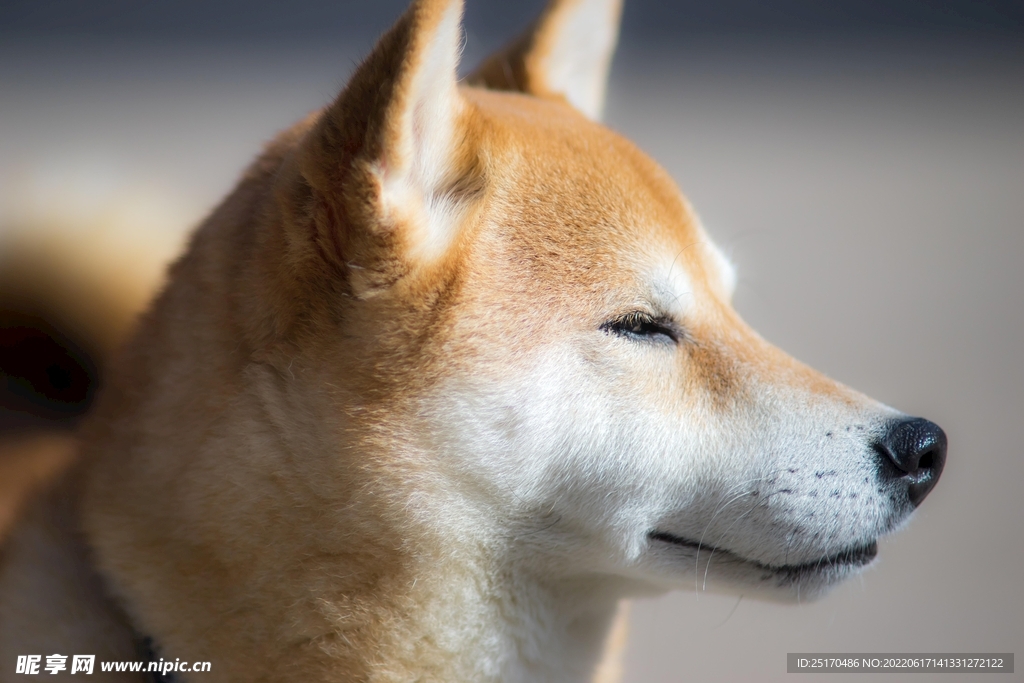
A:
(840, 562)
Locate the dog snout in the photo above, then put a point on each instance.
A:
(913, 451)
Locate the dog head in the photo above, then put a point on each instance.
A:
(536, 310)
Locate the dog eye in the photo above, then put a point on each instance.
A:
(644, 327)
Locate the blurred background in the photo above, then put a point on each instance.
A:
(862, 161)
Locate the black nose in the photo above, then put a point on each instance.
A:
(917, 449)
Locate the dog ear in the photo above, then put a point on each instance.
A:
(565, 54)
(387, 160)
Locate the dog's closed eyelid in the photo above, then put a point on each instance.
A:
(645, 327)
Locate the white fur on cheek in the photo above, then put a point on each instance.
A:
(555, 452)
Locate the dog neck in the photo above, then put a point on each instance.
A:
(456, 611)
(413, 577)
(451, 603)
(459, 624)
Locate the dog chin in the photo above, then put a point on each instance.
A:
(811, 580)
(722, 571)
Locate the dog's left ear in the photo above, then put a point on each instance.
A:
(565, 54)
(387, 161)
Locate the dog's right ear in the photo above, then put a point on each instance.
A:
(565, 54)
(388, 161)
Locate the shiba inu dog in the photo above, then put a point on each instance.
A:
(449, 374)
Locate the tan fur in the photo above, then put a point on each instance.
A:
(258, 486)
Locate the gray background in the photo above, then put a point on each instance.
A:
(862, 162)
